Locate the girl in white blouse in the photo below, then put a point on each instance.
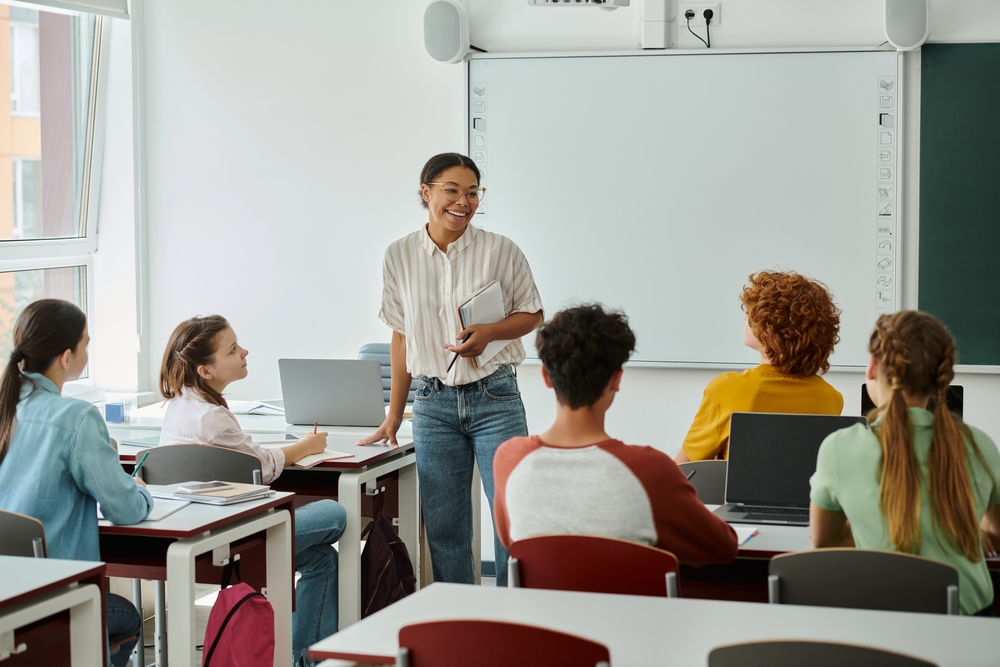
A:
(202, 358)
(463, 411)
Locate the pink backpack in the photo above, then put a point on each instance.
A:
(240, 630)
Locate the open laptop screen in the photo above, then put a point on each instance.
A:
(772, 456)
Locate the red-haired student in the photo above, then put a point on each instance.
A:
(793, 323)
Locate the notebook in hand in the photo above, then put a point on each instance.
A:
(771, 458)
(485, 307)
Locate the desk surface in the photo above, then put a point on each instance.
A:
(645, 631)
(196, 518)
(25, 578)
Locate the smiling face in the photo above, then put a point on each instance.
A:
(229, 363)
(445, 215)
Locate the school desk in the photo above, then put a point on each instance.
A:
(39, 598)
(192, 545)
(353, 482)
(641, 631)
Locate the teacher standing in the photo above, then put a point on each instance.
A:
(461, 413)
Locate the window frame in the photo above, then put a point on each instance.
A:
(41, 253)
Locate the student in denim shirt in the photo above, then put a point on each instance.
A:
(56, 458)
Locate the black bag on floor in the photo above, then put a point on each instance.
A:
(386, 569)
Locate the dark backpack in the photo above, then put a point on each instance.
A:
(240, 630)
(386, 570)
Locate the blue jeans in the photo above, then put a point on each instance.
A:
(317, 526)
(453, 428)
(123, 621)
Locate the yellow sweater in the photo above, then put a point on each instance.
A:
(760, 389)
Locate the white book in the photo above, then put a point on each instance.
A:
(485, 307)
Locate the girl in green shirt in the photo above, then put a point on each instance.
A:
(913, 481)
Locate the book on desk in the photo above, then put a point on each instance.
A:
(238, 493)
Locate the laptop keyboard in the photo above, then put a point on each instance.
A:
(786, 511)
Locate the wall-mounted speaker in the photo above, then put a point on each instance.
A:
(446, 30)
(907, 23)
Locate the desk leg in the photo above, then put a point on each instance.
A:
(86, 624)
(409, 515)
(280, 587)
(349, 551)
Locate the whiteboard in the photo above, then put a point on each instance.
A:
(658, 183)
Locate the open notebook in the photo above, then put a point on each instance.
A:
(162, 508)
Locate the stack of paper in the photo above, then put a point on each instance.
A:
(237, 494)
(485, 307)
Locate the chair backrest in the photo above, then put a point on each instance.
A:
(814, 654)
(709, 480)
(494, 644)
(172, 464)
(861, 579)
(21, 535)
(380, 353)
(592, 564)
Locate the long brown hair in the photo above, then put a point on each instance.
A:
(192, 344)
(44, 330)
(916, 353)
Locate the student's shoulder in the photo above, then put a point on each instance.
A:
(517, 448)
(986, 446)
(641, 457)
(850, 440)
(733, 381)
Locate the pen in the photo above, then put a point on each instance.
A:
(315, 426)
(456, 354)
(691, 474)
(142, 459)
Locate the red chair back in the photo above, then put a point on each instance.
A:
(495, 644)
(592, 564)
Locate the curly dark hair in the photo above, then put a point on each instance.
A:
(581, 349)
(795, 320)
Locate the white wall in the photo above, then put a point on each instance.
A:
(285, 141)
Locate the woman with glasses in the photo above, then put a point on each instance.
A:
(462, 411)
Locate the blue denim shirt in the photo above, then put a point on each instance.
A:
(60, 464)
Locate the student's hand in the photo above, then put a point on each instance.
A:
(385, 433)
(988, 547)
(138, 480)
(314, 443)
(480, 335)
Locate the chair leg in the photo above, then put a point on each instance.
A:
(402, 657)
(160, 623)
(774, 589)
(513, 573)
(953, 600)
(672, 585)
(139, 654)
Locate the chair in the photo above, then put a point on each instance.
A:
(709, 480)
(171, 464)
(861, 579)
(380, 353)
(592, 564)
(494, 644)
(812, 653)
(22, 535)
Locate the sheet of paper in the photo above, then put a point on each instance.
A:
(744, 533)
(314, 459)
(162, 508)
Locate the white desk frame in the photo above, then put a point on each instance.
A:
(87, 638)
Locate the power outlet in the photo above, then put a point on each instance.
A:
(699, 13)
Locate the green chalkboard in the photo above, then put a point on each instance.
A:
(960, 195)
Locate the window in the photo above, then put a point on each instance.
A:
(46, 204)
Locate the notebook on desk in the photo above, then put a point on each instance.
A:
(332, 392)
(771, 458)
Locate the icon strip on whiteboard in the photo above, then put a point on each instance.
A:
(886, 114)
(478, 141)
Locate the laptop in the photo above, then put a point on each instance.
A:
(332, 392)
(955, 397)
(771, 458)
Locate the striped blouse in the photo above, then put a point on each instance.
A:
(423, 288)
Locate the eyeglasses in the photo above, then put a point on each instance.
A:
(454, 193)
